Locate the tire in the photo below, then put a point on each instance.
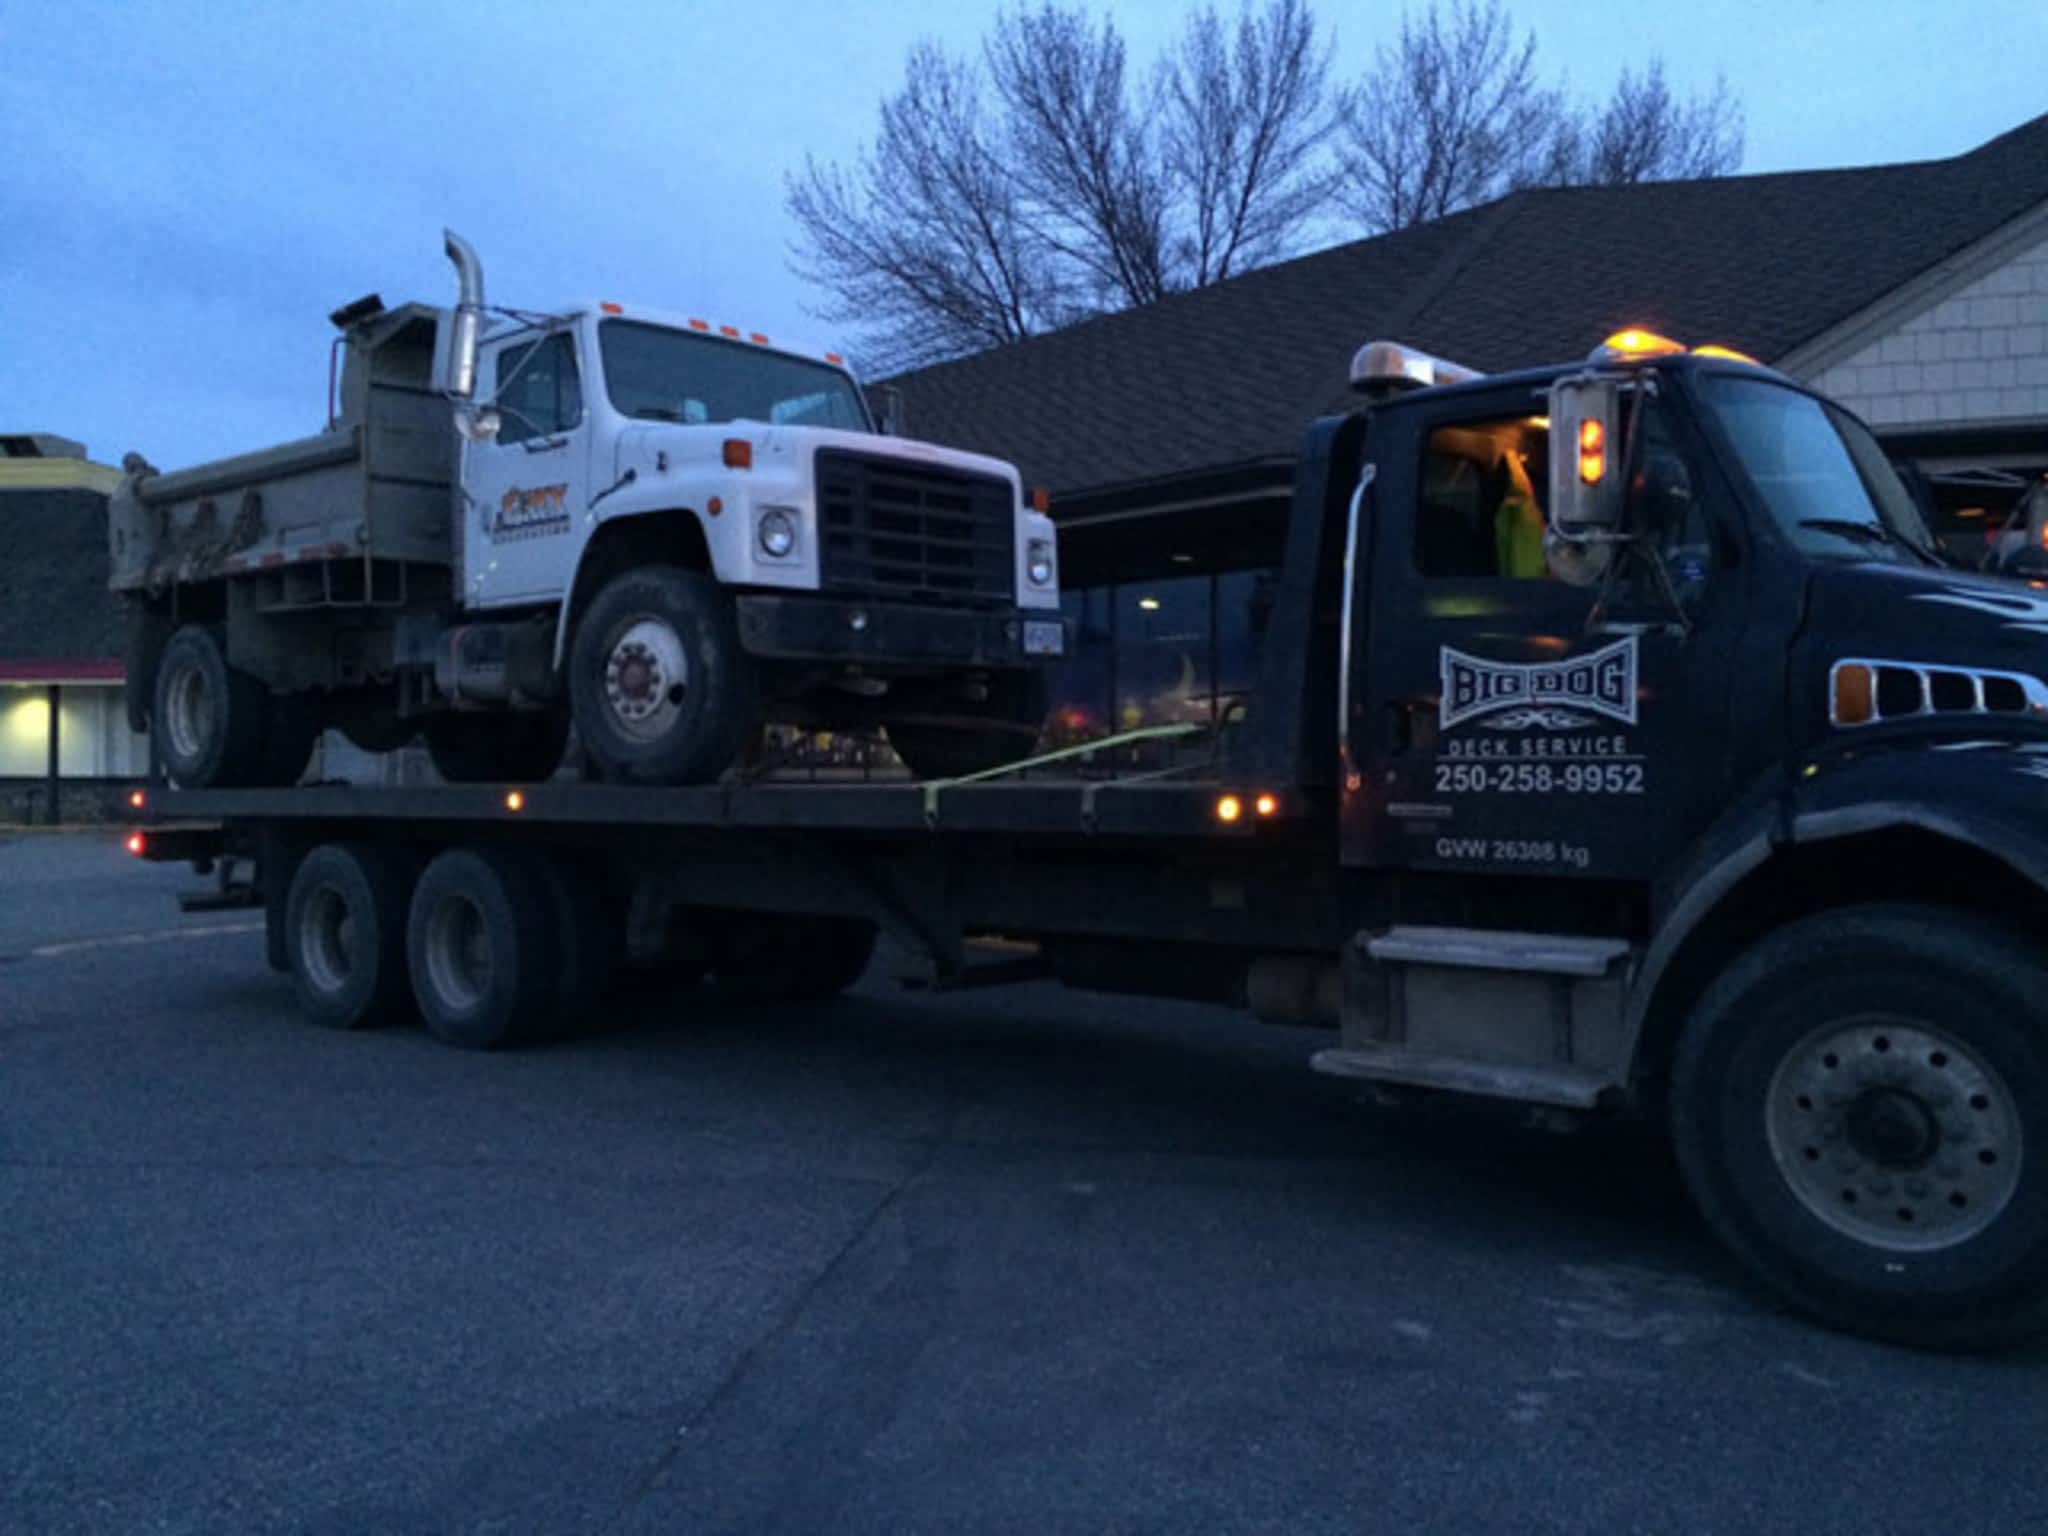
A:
(659, 687)
(776, 958)
(208, 720)
(1014, 712)
(482, 948)
(508, 748)
(344, 935)
(1860, 1108)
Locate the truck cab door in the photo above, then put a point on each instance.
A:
(1506, 721)
(527, 489)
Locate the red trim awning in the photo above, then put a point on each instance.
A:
(70, 669)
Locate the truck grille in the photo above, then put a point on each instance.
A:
(915, 531)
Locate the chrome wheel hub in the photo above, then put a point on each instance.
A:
(327, 939)
(646, 678)
(459, 953)
(1894, 1133)
(187, 708)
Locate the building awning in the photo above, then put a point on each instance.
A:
(70, 669)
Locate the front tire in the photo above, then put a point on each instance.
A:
(1860, 1107)
(660, 689)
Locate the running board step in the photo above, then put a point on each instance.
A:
(1568, 1087)
(1489, 949)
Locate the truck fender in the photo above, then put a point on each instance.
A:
(1970, 796)
(662, 535)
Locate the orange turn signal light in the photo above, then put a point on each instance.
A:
(1041, 500)
(1855, 694)
(739, 453)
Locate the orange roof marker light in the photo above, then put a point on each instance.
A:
(700, 325)
(1632, 345)
(757, 338)
(730, 330)
(834, 357)
(610, 308)
(1726, 354)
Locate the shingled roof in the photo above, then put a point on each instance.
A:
(1233, 373)
(54, 602)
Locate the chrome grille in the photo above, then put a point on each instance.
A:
(888, 528)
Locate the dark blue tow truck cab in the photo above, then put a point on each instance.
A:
(1623, 741)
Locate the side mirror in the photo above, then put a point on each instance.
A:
(1586, 490)
(885, 404)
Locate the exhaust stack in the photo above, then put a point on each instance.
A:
(467, 319)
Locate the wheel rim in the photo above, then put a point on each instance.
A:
(646, 678)
(1895, 1133)
(327, 939)
(188, 707)
(459, 957)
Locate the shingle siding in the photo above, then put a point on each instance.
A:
(1981, 353)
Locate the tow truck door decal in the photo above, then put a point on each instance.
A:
(1551, 695)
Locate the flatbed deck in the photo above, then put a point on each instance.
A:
(1107, 807)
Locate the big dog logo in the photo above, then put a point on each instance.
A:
(1551, 695)
(523, 513)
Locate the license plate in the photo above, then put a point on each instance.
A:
(1045, 637)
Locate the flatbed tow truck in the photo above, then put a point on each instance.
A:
(1623, 743)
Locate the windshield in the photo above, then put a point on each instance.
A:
(1826, 481)
(658, 374)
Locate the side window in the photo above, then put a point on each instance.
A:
(1666, 504)
(1480, 512)
(539, 391)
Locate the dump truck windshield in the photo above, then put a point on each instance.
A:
(1826, 481)
(659, 374)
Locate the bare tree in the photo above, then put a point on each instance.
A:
(1454, 113)
(1644, 133)
(1450, 115)
(924, 242)
(1243, 121)
(1083, 156)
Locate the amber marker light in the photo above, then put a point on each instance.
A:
(610, 308)
(1592, 451)
(137, 799)
(1229, 809)
(739, 453)
(514, 800)
(1855, 694)
(1268, 804)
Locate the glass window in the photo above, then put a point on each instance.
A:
(1081, 692)
(1480, 512)
(660, 374)
(1163, 674)
(539, 392)
(1819, 472)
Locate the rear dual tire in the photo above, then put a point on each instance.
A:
(216, 727)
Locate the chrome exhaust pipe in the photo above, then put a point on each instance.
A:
(468, 317)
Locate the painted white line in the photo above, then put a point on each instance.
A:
(160, 936)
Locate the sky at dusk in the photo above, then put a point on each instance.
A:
(190, 187)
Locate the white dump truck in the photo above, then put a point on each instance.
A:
(664, 529)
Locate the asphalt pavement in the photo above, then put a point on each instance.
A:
(1006, 1261)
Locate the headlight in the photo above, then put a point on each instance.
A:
(1038, 566)
(776, 532)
